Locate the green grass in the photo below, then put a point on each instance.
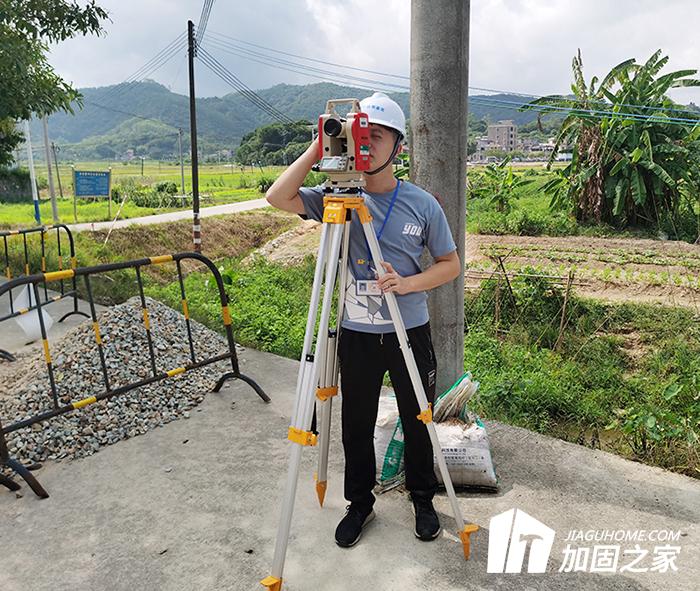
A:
(623, 377)
(217, 184)
(21, 215)
(212, 177)
(223, 237)
(269, 303)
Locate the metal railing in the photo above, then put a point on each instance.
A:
(44, 232)
(85, 273)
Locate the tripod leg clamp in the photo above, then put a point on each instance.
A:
(272, 583)
(302, 437)
(426, 416)
(324, 394)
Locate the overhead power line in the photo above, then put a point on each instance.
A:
(587, 112)
(236, 47)
(303, 68)
(220, 70)
(94, 104)
(150, 67)
(203, 20)
(310, 59)
(340, 78)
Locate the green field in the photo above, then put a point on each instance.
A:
(528, 213)
(215, 179)
(218, 184)
(22, 215)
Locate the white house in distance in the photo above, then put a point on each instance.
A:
(503, 136)
(499, 136)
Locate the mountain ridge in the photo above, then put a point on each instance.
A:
(94, 130)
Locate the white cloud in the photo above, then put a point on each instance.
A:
(521, 45)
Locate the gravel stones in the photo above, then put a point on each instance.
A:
(25, 390)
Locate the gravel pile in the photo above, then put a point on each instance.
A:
(25, 390)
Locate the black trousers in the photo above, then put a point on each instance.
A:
(364, 360)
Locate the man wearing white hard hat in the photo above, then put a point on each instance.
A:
(406, 219)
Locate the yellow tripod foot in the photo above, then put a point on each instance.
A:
(321, 491)
(272, 583)
(464, 535)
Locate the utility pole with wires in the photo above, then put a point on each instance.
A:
(52, 190)
(440, 28)
(196, 227)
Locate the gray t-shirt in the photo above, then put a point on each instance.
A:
(416, 222)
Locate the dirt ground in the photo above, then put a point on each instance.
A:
(612, 269)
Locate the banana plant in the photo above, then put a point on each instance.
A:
(635, 153)
(499, 183)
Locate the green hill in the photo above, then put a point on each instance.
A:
(105, 128)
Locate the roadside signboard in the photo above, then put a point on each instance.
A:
(90, 183)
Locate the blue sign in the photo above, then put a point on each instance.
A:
(91, 184)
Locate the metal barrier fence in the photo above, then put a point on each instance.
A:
(43, 232)
(85, 273)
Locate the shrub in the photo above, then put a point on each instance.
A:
(15, 186)
(264, 183)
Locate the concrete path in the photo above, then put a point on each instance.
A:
(173, 216)
(195, 506)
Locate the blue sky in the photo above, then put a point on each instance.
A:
(516, 45)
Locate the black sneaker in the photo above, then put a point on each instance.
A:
(349, 530)
(427, 522)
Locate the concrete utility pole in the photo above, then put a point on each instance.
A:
(32, 172)
(439, 81)
(196, 224)
(52, 190)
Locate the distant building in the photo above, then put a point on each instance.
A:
(503, 135)
(547, 146)
(482, 146)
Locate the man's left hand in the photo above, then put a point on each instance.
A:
(392, 282)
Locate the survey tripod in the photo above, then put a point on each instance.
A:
(317, 381)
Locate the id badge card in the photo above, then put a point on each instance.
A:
(367, 287)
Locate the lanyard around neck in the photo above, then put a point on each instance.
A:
(386, 219)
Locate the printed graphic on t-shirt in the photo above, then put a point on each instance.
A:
(412, 230)
(364, 309)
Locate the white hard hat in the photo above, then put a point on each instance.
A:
(384, 111)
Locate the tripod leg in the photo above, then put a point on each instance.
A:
(307, 383)
(321, 259)
(324, 434)
(329, 385)
(426, 415)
